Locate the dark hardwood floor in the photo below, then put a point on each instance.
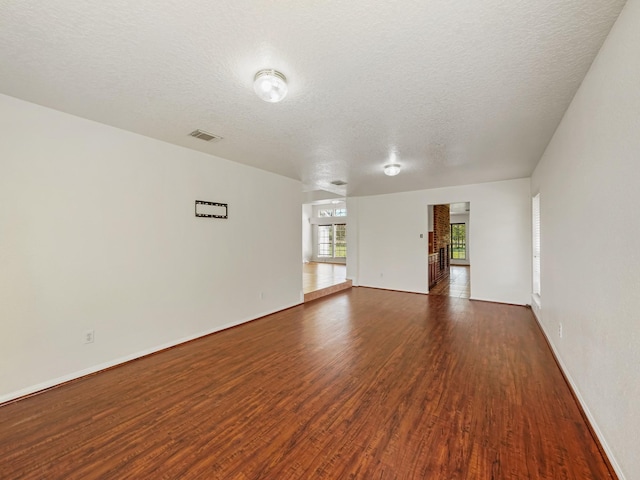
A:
(366, 384)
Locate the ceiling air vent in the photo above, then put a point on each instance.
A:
(206, 136)
(339, 183)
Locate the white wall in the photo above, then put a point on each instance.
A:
(97, 231)
(590, 226)
(307, 233)
(353, 240)
(391, 254)
(462, 218)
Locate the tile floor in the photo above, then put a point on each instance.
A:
(459, 283)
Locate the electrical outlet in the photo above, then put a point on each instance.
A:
(381, 275)
(89, 336)
(560, 329)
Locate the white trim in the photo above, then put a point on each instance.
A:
(127, 358)
(393, 289)
(536, 244)
(536, 306)
(478, 299)
(535, 298)
(583, 405)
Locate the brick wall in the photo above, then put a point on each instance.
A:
(442, 239)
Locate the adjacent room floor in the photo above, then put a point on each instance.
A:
(322, 279)
(316, 276)
(459, 284)
(364, 384)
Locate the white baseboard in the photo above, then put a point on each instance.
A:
(127, 358)
(393, 289)
(489, 300)
(596, 429)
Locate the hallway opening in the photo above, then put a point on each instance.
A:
(448, 258)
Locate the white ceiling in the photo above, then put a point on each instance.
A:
(457, 92)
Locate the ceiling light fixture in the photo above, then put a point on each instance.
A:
(270, 85)
(392, 169)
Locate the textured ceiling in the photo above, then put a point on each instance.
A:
(457, 92)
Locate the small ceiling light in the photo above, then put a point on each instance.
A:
(392, 169)
(270, 85)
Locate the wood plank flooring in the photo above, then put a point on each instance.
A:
(365, 384)
(316, 276)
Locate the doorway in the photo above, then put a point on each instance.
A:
(449, 259)
(324, 248)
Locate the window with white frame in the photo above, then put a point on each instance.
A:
(535, 215)
(458, 241)
(325, 212)
(340, 240)
(340, 212)
(325, 241)
(332, 241)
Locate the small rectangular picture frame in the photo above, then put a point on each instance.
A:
(211, 209)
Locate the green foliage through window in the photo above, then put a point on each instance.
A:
(458, 241)
(332, 241)
(340, 241)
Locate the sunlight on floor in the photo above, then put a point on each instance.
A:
(316, 276)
